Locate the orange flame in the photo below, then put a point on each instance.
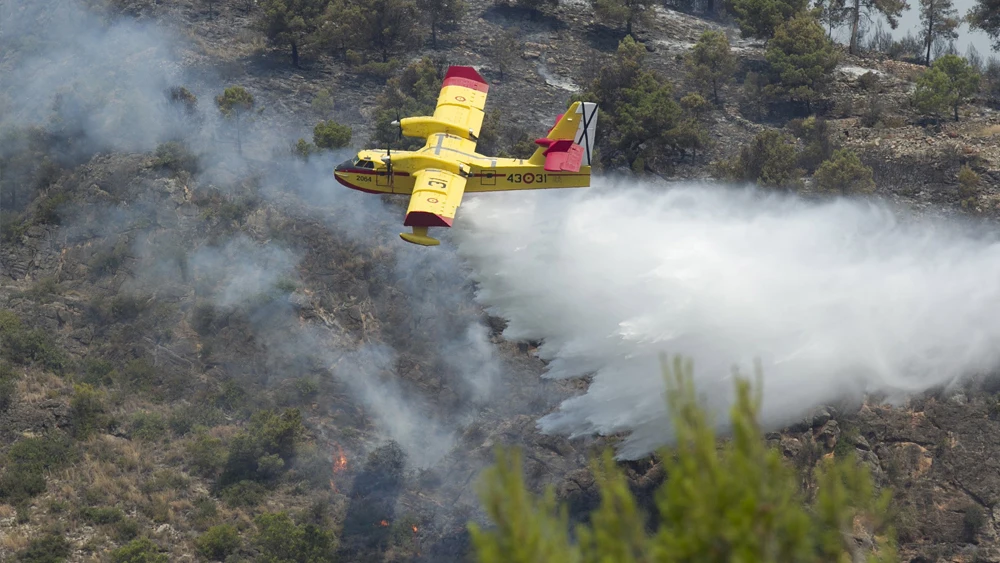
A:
(414, 529)
(340, 462)
(339, 465)
(383, 523)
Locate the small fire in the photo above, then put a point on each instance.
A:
(414, 529)
(339, 465)
(383, 523)
(340, 461)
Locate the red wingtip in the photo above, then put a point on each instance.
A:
(465, 76)
(425, 219)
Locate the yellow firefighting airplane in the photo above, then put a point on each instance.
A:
(448, 165)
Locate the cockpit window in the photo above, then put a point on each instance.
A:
(368, 164)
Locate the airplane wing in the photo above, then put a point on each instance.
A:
(462, 99)
(435, 199)
(459, 109)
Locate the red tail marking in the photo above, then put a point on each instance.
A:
(563, 155)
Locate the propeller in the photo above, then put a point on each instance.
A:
(387, 159)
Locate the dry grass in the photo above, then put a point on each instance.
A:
(38, 386)
(11, 541)
(988, 131)
(6, 511)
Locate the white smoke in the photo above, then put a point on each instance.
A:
(835, 298)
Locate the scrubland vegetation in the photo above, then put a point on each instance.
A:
(114, 449)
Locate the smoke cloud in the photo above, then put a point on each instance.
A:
(835, 299)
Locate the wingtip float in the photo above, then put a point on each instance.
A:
(438, 175)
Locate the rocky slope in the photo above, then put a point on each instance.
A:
(195, 295)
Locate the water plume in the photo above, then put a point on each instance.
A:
(835, 298)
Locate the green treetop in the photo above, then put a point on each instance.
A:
(949, 82)
(737, 502)
(623, 12)
(440, 12)
(711, 62)
(234, 102)
(802, 60)
(890, 9)
(760, 18)
(939, 20)
(985, 16)
(288, 22)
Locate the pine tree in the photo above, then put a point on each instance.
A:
(440, 12)
(288, 22)
(640, 113)
(628, 12)
(890, 9)
(711, 62)
(832, 13)
(759, 18)
(802, 60)
(504, 49)
(985, 16)
(738, 502)
(234, 102)
(940, 20)
(946, 85)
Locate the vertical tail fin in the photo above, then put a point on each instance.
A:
(570, 142)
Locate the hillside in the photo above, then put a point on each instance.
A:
(201, 332)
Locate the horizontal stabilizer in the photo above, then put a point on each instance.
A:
(561, 155)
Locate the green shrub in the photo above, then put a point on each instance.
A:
(140, 550)
(304, 149)
(218, 542)
(845, 174)
(255, 453)
(244, 493)
(279, 539)
(322, 102)
(968, 182)
(26, 463)
(768, 160)
(175, 157)
(50, 210)
(147, 426)
(126, 529)
(817, 140)
(48, 548)
(28, 346)
(206, 454)
(86, 411)
(18, 484)
(12, 226)
(973, 521)
(182, 420)
(331, 135)
(97, 371)
(8, 387)
(101, 515)
(46, 452)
